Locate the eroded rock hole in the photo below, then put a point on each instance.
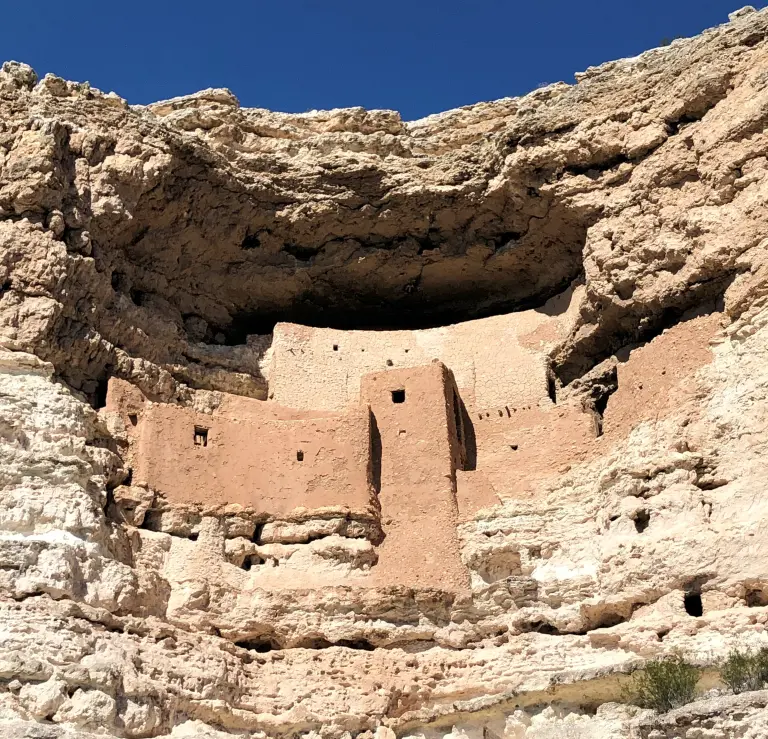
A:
(693, 605)
(596, 389)
(642, 520)
(609, 620)
(138, 297)
(264, 644)
(756, 598)
(257, 531)
(320, 643)
(251, 561)
(100, 393)
(300, 253)
(133, 418)
(363, 644)
(252, 241)
(551, 387)
(544, 627)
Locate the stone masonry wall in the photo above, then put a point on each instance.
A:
(496, 361)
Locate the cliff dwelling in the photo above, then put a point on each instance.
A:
(370, 450)
(333, 425)
(387, 440)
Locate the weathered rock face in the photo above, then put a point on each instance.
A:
(622, 224)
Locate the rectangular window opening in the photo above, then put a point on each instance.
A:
(299, 456)
(201, 436)
(398, 396)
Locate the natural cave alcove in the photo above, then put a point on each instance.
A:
(246, 270)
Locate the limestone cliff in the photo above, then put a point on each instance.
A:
(583, 272)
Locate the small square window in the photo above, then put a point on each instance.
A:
(201, 436)
(398, 396)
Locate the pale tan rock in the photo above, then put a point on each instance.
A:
(44, 699)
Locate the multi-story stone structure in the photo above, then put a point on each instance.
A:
(401, 434)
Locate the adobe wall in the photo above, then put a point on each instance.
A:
(517, 449)
(419, 453)
(497, 361)
(249, 455)
(403, 449)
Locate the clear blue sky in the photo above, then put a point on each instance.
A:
(416, 56)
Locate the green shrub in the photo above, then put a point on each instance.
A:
(663, 684)
(747, 670)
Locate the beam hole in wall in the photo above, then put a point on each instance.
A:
(398, 396)
(642, 519)
(335, 347)
(513, 447)
(299, 456)
(693, 605)
(201, 436)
